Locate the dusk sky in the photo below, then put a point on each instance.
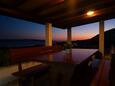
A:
(12, 28)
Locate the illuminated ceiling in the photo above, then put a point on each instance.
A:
(61, 13)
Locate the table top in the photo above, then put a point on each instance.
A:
(70, 56)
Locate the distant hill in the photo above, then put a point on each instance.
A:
(93, 42)
(90, 43)
(109, 36)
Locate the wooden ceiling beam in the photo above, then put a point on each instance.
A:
(92, 20)
(74, 12)
(84, 16)
(20, 15)
(46, 5)
(20, 2)
(49, 10)
(83, 5)
(85, 21)
(13, 4)
(56, 8)
(59, 18)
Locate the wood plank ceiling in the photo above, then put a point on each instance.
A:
(61, 13)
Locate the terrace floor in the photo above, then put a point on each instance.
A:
(7, 79)
(44, 81)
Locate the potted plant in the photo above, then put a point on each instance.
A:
(67, 47)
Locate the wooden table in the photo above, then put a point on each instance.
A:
(64, 63)
(71, 56)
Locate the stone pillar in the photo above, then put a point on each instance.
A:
(101, 37)
(69, 35)
(48, 41)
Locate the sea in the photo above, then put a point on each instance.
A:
(21, 43)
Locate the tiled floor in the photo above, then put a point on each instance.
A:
(43, 81)
(6, 77)
(12, 83)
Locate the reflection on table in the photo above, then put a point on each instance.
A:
(64, 63)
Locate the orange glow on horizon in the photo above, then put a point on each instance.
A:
(60, 38)
(74, 37)
(81, 37)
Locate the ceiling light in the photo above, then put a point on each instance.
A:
(90, 13)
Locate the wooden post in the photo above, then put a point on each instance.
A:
(69, 37)
(48, 41)
(101, 37)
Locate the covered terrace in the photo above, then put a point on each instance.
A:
(63, 14)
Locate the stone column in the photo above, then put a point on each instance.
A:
(48, 41)
(69, 35)
(101, 37)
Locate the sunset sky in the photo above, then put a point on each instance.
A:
(12, 28)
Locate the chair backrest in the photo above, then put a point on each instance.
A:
(112, 67)
(113, 60)
(98, 55)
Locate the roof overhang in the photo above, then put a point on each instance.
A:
(61, 13)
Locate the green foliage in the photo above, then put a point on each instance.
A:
(68, 46)
(107, 57)
(4, 57)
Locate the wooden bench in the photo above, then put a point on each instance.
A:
(112, 71)
(84, 73)
(22, 54)
(31, 74)
(102, 76)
